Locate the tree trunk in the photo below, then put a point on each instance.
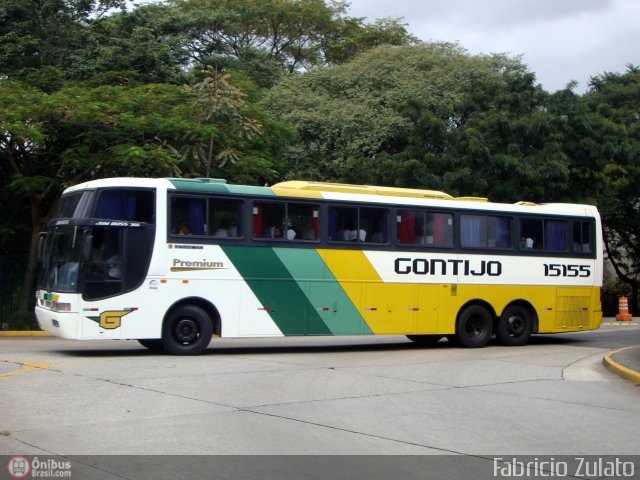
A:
(38, 223)
(633, 301)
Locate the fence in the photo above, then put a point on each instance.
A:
(12, 272)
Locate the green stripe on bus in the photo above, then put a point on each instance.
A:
(323, 291)
(277, 291)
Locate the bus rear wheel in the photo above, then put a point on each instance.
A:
(187, 331)
(474, 327)
(515, 326)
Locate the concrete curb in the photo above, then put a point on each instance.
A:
(626, 373)
(25, 333)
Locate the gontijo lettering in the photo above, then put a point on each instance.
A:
(440, 266)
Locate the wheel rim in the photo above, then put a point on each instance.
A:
(475, 326)
(187, 331)
(516, 325)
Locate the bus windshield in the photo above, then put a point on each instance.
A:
(100, 244)
(95, 260)
(61, 259)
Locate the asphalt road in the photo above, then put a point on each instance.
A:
(319, 396)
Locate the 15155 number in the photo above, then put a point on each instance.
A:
(562, 270)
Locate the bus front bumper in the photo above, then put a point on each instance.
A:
(60, 324)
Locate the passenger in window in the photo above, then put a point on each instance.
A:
(223, 231)
(113, 266)
(526, 243)
(184, 229)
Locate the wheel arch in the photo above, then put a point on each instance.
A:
(528, 306)
(477, 301)
(202, 303)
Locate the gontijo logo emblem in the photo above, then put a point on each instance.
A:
(112, 319)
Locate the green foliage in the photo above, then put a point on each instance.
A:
(147, 45)
(267, 37)
(428, 115)
(44, 33)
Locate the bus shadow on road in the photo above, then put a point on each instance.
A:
(315, 345)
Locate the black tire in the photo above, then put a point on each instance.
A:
(474, 327)
(425, 340)
(153, 344)
(187, 331)
(515, 326)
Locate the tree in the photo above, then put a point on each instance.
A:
(351, 36)
(428, 116)
(219, 107)
(606, 153)
(146, 44)
(35, 34)
(269, 37)
(49, 141)
(511, 141)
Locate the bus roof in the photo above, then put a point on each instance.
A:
(337, 191)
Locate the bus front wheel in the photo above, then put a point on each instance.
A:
(515, 326)
(474, 327)
(187, 331)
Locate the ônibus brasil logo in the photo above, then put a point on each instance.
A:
(18, 467)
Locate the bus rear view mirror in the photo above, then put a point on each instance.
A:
(42, 240)
(86, 248)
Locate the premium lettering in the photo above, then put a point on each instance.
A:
(204, 264)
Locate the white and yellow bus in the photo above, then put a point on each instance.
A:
(171, 262)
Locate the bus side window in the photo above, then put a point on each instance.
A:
(225, 218)
(582, 242)
(373, 225)
(425, 228)
(531, 237)
(131, 205)
(343, 222)
(268, 220)
(188, 216)
(485, 231)
(410, 228)
(302, 221)
(555, 235)
(439, 229)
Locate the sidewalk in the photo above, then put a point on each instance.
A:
(625, 362)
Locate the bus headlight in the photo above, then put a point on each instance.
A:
(61, 307)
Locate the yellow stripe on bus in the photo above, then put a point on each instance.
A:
(403, 308)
